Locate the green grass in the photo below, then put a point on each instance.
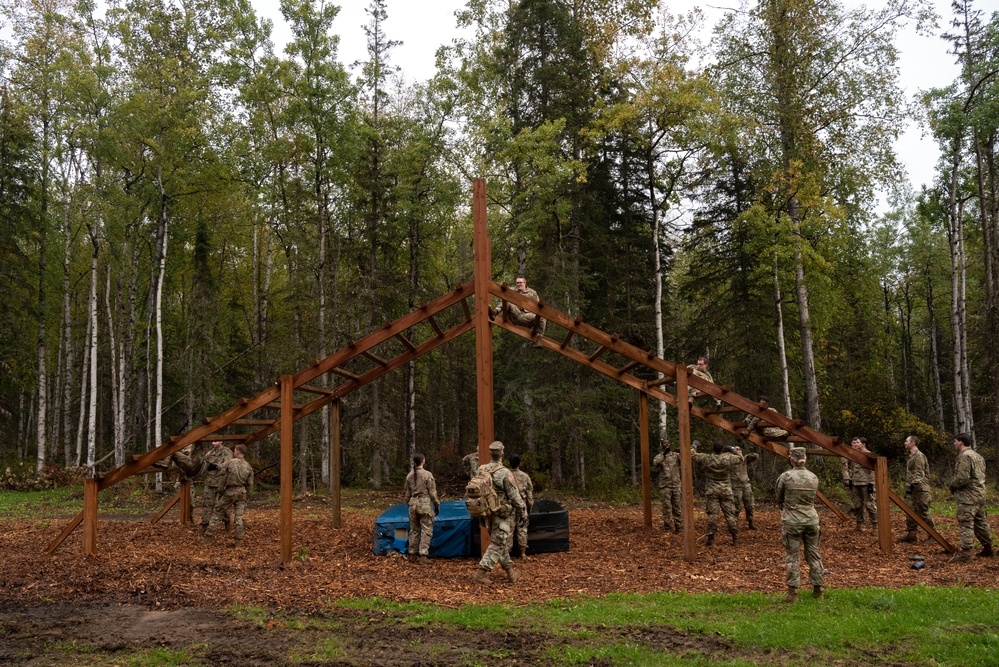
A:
(158, 657)
(32, 504)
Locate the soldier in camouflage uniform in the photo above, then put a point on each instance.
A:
(214, 459)
(860, 481)
(421, 496)
(767, 429)
(796, 489)
(668, 465)
(917, 487)
(235, 479)
(701, 371)
(718, 488)
(471, 464)
(526, 488)
(968, 486)
(501, 522)
(742, 488)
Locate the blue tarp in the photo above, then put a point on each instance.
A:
(452, 531)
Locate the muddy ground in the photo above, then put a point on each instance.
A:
(159, 586)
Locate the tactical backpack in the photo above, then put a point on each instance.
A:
(480, 495)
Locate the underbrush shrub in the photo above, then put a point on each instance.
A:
(21, 476)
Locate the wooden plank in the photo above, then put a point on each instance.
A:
(661, 381)
(314, 390)
(828, 503)
(254, 422)
(436, 327)
(335, 454)
(593, 357)
(941, 540)
(343, 372)
(186, 511)
(643, 429)
(375, 358)
(408, 343)
(90, 517)
(166, 508)
(61, 537)
(287, 421)
(464, 307)
(483, 333)
(686, 465)
(883, 502)
(224, 438)
(567, 339)
(627, 367)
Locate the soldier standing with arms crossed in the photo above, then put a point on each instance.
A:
(796, 489)
(968, 486)
(917, 487)
(421, 496)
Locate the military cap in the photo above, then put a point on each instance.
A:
(496, 446)
(797, 453)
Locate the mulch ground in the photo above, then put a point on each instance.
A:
(166, 566)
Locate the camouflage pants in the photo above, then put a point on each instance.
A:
(209, 498)
(972, 522)
(421, 528)
(792, 537)
(721, 499)
(518, 534)
(672, 504)
(742, 495)
(500, 527)
(919, 501)
(232, 497)
(862, 500)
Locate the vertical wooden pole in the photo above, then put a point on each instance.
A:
(287, 462)
(185, 502)
(335, 461)
(686, 469)
(883, 504)
(483, 333)
(643, 425)
(89, 517)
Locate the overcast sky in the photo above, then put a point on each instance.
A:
(425, 25)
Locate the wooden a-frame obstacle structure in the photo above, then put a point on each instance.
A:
(447, 318)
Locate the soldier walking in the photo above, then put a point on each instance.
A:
(421, 496)
(500, 522)
(796, 489)
(214, 458)
(742, 488)
(917, 487)
(526, 488)
(667, 463)
(718, 488)
(968, 486)
(860, 481)
(235, 479)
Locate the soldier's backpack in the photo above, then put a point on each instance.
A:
(480, 494)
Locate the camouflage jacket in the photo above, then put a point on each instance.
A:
(968, 483)
(235, 473)
(796, 489)
(525, 486)
(856, 473)
(506, 488)
(704, 375)
(471, 463)
(421, 490)
(219, 457)
(740, 475)
(917, 471)
(668, 466)
(717, 470)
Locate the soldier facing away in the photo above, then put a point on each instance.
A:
(214, 459)
(718, 488)
(968, 486)
(860, 481)
(742, 488)
(796, 489)
(500, 523)
(235, 479)
(421, 496)
(667, 463)
(917, 487)
(526, 488)
(471, 463)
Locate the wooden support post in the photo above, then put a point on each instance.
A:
(686, 467)
(483, 333)
(643, 427)
(89, 516)
(186, 511)
(287, 462)
(335, 461)
(881, 492)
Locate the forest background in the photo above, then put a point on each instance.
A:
(188, 214)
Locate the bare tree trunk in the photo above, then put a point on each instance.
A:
(935, 360)
(92, 316)
(955, 239)
(84, 384)
(807, 353)
(158, 413)
(117, 380)
(657, 270)
(781, 346)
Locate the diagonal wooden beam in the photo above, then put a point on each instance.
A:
(405, 341)
(343, 372)
(314, 390)
(374, 357)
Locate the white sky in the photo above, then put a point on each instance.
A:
(424, 25)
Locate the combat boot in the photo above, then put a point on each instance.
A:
(791, 595)
(752, 524)
(859, 527)
(208, 539)
(910, 536)
(204, 528)
(711, 540)
(735, 538)
(678, 530)
(986, 552)
(424, 560)
(481, 577)
(817, 593)
(962, 556)
(237, 543)
(513, 575)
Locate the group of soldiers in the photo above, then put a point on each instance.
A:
(507, 526)
(228, 480)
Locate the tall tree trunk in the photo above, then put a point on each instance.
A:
(92, 393)
(955, 239)
(158, 410)
(84, 385)
(807, 353)
(657, 271)
(67, 326)
(935, 358)
(781, 346)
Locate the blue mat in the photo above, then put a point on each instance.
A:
(452, 531)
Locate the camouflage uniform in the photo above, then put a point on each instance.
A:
(209, 497)
(968, 486)
(471, 463)
(518, 315)
(235, 477)
(796, 489)
(769, 431)
(526, 488)
(421, 496)
(718, 490)
(501, 523)
(668, 465)
(742, 488)
(860, 481)
(917, 488)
